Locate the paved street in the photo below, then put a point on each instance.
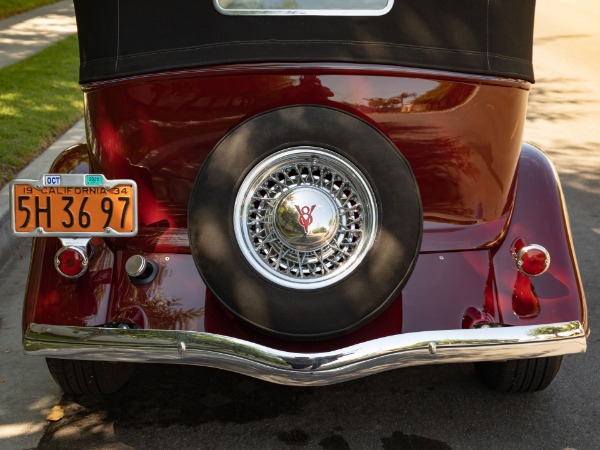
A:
(435, 407)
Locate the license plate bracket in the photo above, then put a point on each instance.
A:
(73, 205)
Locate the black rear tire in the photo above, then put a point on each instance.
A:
(95, 378)
(520, 375)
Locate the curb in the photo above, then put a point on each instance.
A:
(37, 168)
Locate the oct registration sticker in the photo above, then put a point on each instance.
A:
(73, 205)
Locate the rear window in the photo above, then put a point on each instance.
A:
(304, 7)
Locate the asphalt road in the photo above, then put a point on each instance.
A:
(436, 407)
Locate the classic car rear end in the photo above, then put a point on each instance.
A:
(316, 195)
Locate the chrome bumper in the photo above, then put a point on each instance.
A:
(236, 355)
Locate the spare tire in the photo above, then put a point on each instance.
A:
(305, 222)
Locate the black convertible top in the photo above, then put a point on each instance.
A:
(130, 37)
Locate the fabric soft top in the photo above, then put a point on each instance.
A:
(121, 38)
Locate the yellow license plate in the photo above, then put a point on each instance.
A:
(73, 205)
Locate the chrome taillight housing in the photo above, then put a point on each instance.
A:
(71, 261)
(532, 260)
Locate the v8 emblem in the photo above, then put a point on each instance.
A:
(306, 217)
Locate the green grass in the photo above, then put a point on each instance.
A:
(39, 100)
(11, 7)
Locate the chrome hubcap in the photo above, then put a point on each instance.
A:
(305, 217)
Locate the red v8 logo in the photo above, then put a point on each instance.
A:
(305, 216)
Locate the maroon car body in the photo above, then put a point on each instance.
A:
(483, 194)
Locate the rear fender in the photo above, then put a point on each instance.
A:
(539, 217)
(53, 299)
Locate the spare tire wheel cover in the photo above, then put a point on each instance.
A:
(305, 222)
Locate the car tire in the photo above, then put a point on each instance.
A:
(94, 378)
(292, 299)
(520, 375)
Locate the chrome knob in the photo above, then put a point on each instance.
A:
(135, 266)
(141, 270)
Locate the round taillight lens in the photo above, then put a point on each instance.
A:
(533, 260)
(71, 262)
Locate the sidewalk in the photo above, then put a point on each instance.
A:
(25, 34)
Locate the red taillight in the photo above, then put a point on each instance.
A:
(532, 260)
(71, 262)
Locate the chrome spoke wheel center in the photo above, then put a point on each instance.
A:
(305, 217)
